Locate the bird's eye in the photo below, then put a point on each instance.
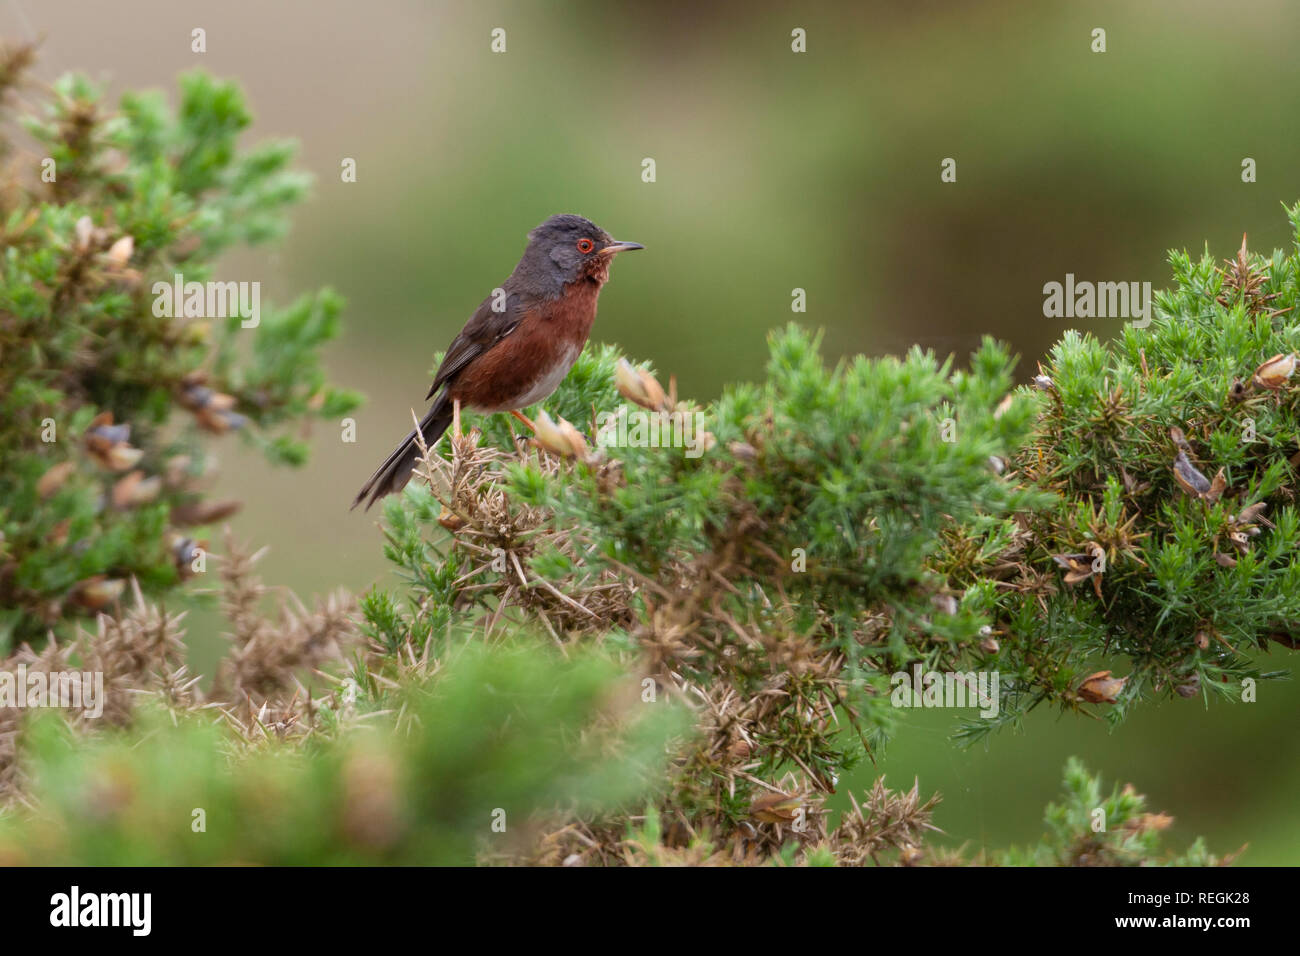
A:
(585, 246)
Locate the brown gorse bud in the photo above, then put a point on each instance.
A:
(551, 436)
(119, 253)
(96, 593)
(109, 444)
(1273, 373)
(450, 520)
(1101, 688)
(213, 410)
(639, 386)
(1188, 477)
(1080, 566)
(776, 807)
(54, 478)
(628, 382)
(135, 489)
(202, 512)
(84, 233)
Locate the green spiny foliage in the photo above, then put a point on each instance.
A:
(456, 764)
(776, 581)
(820, 504)
(1090, 829)
(1173, 456)
(1087, 829)
(103, 400)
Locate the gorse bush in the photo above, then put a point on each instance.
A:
(1173, 453)
(602, 649)
(846, 525)
(773, 582)
(107, 404)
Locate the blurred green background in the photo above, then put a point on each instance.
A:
(775, 170)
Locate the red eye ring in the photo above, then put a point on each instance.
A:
(585, 246)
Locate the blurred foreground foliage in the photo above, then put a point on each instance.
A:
(604, 649)
(457, 766)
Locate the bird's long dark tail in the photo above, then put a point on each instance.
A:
(395, 472)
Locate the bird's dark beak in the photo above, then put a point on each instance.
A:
(619, 246)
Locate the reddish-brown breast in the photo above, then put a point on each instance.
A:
(529, 363)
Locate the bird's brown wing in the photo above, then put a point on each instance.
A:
(484, 329)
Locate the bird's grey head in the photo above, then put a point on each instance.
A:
(572, 247)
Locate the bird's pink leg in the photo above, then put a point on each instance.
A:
(523, 418)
